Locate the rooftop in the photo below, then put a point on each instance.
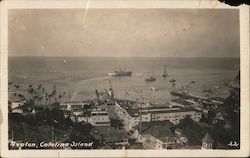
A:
(158, 129)
(112, 135)
(173, 111)
(208, 139)
(158, 110)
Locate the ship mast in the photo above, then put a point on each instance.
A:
(111, 90)
(165, 70)
(165, 73)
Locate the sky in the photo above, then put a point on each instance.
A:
(124, 32)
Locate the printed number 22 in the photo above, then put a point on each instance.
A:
(233, 143)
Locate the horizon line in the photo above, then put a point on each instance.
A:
(124, 56)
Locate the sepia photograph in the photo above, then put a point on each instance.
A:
(123, 79)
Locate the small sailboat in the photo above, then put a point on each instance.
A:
(150, 79)
(165, 73)
(192, 82)
(172, 80)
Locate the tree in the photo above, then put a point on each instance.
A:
(82, 132)
(55, 105)
(192, 130)
(39, 86)
(30, 103)
(116, 123)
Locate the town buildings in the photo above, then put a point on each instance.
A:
(97, 117)
(132, 116)
(81, 111)
(15, 101)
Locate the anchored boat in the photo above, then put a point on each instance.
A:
(120, 73)
(150, 79)
(165, 73)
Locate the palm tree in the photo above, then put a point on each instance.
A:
(31, 91)
(43, 90)
(60, 97)
(49, 98)
(39, 86)
(17, 86)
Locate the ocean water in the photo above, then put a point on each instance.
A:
(79, 77)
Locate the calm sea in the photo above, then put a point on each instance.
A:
(80, 76)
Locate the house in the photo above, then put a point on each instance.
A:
(158, 134)
(77, 112)
(18, 109)
(24, 110)
(112, 136)
(150, 142)
(16, 101)
(77, 108)
(219, 118)
(181, 138)
(207, 142)
(178, 131)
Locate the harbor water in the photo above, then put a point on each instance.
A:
(79, 77)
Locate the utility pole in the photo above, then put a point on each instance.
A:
(69, 106)
(69, 96)
(140, 118)
(49, 102)
(166, 139)
(52, 133)
(97, 94)
(12, 135)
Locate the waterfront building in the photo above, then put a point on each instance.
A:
(97, 117)
(174, 114)
(82, 111)
(18, 109)
(15, 101)
(73, 106)
(24, 110)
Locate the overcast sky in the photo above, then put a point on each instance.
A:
(124, 32)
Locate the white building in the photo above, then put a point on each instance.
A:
(132, 117)
(72, 106)
(150, 142)
(97, 117)
(18, 109)
(174, 115)
(15, 101)
(207, 142)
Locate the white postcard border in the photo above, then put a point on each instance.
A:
(85, 4)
